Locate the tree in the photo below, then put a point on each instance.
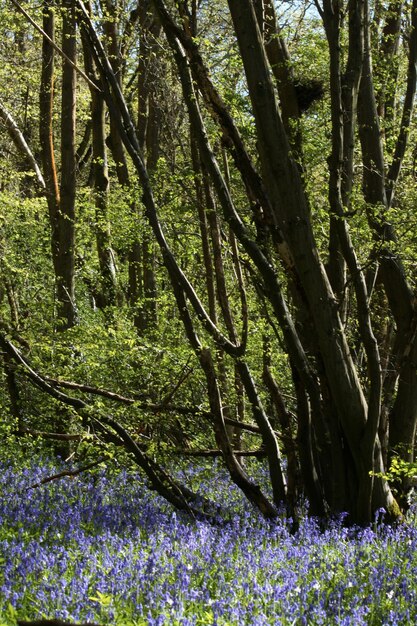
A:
(60, 197)
(106, 294)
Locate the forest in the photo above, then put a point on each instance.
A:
(208, 256)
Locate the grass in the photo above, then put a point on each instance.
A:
(103, 548)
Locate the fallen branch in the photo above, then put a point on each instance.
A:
(69, 473)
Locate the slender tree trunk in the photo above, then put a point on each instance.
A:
(107, 293)
(46, 133)
(142, 291)
(106, 258)
(387, 65)
(148, 134)
(280, 62)
(65, 261)
(61, 200)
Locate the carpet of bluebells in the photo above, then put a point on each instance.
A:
(102, 547)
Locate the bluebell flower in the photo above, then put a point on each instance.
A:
(113, 552)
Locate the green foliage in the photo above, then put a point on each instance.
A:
(400, 469)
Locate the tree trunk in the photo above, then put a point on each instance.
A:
(65, 218)
(106, 295)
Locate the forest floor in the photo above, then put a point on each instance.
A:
(101, 547)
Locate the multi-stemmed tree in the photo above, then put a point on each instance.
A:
(343, 312)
